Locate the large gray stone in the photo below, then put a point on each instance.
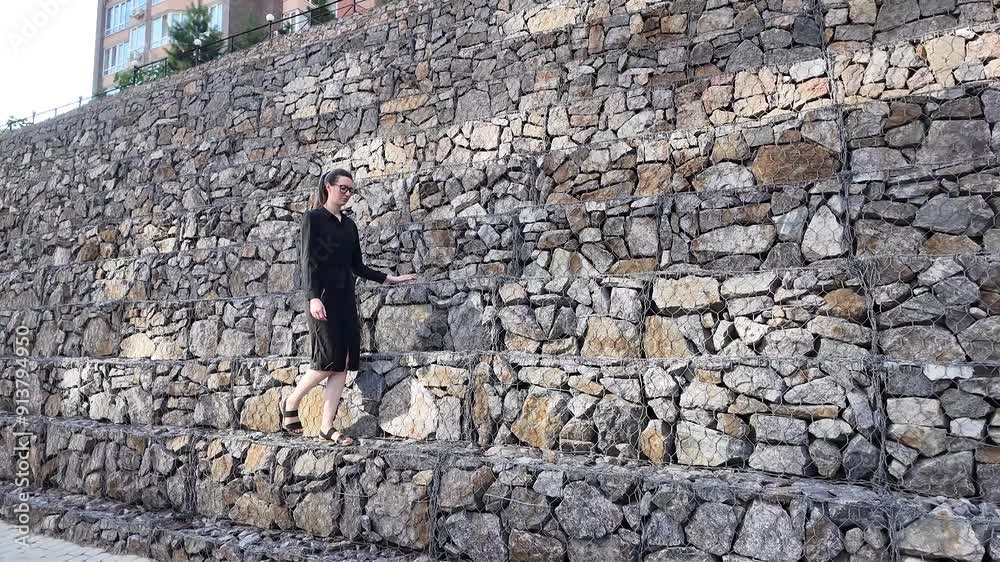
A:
(478, 535)
(713, 527)
(585, 513)
(955, 140)
(970, 216)
(940, 534)
(768, 534)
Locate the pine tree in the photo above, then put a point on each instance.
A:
(182, 52)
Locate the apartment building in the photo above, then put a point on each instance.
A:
(139, 30)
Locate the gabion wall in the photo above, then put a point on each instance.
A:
(695, 281)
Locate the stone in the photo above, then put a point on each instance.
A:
(399, 328)
(723, 176)
(779, 430)
(826, 456)
(408, 410)
(617, 421)
(793, 342)
(663, 337)
(610, 337)
(704, 396)
(921, 343)
(970, 216)
(317, 513)
(552, 18)
(959, 404)
(713, 527)
(734, 239)
(700, 446)
(980, 339)
(747, 55)
(823, 538)
(401, 513)
(860, 458)
(915, 411)
(656, 441)
(657, 383)
(532, 547)
(477, 535)
(955, 140)
(824, 237)
(794, 162)
(527, 510)
(543, 415)
(845, 303)
(872, 163)
(840, 330)
(894, 13)
(686, 293)
(768, 534)
(948, 475)
(929, 441)
(585, 513)
(820, 391)
(464, 489)
(788, 459)
(759, 382)
(940, 534)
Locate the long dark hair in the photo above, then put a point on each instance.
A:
(318, 198)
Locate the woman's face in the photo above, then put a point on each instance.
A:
(341, 190)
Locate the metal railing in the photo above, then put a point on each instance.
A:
(338, 9)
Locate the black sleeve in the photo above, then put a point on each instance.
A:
(358, 265)
(310, 266)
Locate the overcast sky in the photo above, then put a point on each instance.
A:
(46, 54)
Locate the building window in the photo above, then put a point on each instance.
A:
(298, 22)
(161, 28)
(116, 57)
(215, 17)
(155, 2)
(116, 17)
(137, 39)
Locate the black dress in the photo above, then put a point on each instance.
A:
(330, 255)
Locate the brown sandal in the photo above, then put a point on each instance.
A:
(295, 427)
(337, 437)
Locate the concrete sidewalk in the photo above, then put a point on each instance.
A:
(41, 548)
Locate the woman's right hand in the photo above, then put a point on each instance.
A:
(317, 310)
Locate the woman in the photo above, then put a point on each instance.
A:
(331, 257)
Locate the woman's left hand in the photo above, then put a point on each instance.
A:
(396, 279)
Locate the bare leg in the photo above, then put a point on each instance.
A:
(305, 384)
(334, 389)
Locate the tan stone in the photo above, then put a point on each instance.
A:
(655, 441)
(663, 338)
(552, 18)
(610, 337)
(258, 457)
(254, 510)
(137, 346)
(945, 53)
(844, 303)
(405, 103)
(442, 376)
(654, 179)
(686, 293)
(625, 267)
(543, 415)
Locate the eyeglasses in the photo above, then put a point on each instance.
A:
(345, 189)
